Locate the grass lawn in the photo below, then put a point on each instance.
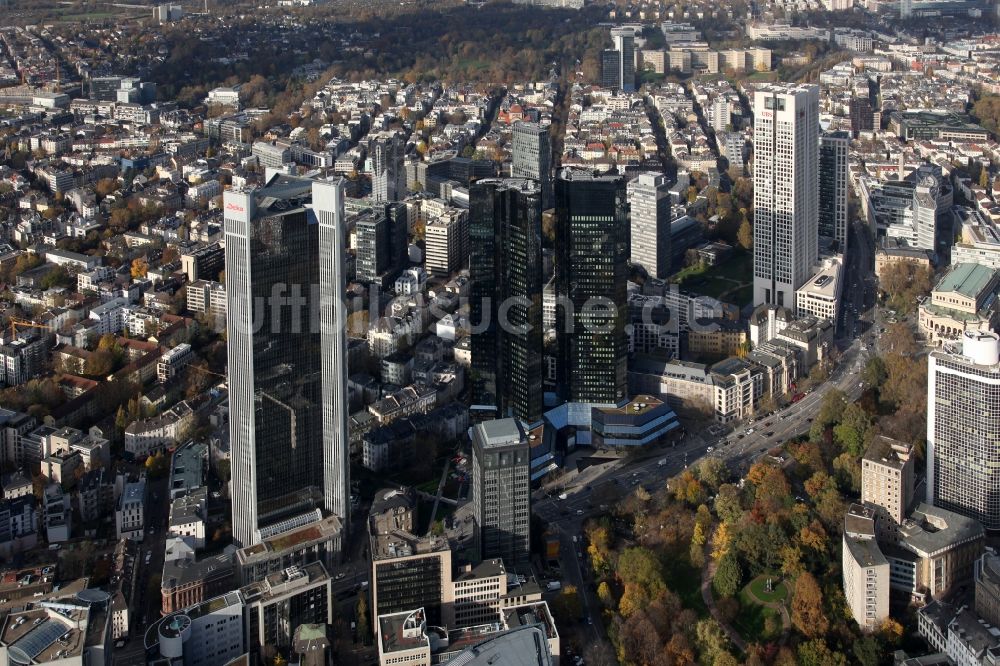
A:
(685, 581)
(752, 620)
(730, 281)
(758, 589)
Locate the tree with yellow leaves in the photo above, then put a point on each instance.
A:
(721, 541)
(605, 595)
(139, 267)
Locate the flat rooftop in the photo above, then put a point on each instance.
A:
(888, 452)
(499, 433)
(930, 529)
(824, 284)
(403, 631)
(640, 404)
(399, 543)
(865, 551)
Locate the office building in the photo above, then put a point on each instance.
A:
(935, 552)
(531, 157)
(380, 244)
(71, 630)
(820, 295)
(624, 41)
(446, 242)
(591, 277)
(407, 571)
(287, 387)
(862, 115)
(501, 492)
(865, 570)
(284, 600)
(786, 184)
(388, 174)
(833, 187)
(887, 484)
(649, 208)
(256, 622)
(610, 77)
(506, 270)
(963, 428)
(525, 635)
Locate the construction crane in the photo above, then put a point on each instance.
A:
(16, 323)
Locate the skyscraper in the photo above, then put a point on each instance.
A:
(591, 275)
(649, 210)
(531, 157)
(833, 187)
(862, 115)
(963, 429)
(506, 270)
(624, 39)
(328, 208)
(388, 172)
(501, 491)
(287, 393)
(610, 69)
(380, 243)
(785, 190)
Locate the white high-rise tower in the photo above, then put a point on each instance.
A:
(963, 428)
(785, 190)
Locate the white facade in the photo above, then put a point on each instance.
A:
(129, 513)
(786, 190)
(963, 428)
(649, 204)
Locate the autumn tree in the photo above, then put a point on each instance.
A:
(903, 282)
(807, 607)
(745, 235)
(604, 594)
(139, 267)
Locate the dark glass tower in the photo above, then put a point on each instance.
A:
(591, 277)
(833, 149)
(531, 157)
(287, 395)
(506, 270)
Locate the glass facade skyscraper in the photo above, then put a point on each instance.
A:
(833, 148)
(531, 157)
(284, 252)
(506, 270)
(591, 277)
